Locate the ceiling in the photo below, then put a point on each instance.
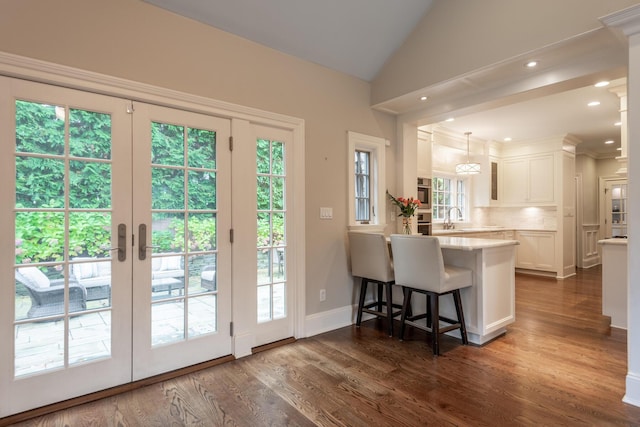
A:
(365, 33)
(355, 37)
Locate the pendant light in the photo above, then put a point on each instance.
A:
(468, 168)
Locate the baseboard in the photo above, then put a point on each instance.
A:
(326, 321)
(591, 262)
(632, 395)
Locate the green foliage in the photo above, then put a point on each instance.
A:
(40, 236)
(40, 183)
(169, 235)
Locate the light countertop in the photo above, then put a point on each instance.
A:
(485, 229)
(472, 243)
(613, 242)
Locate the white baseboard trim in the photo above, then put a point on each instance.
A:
(632, 395)
(591, 261)
(326, 321)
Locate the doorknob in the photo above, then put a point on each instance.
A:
(122, 242)
(142, 242)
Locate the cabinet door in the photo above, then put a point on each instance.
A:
(541, 179)
(546, 253)
(537, 250)
(514, 181)
(526, 252)
(424, 158)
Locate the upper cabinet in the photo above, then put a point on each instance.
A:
(528, 180)
(424, 154)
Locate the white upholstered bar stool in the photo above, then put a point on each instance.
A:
(371, 262)
(420, 268)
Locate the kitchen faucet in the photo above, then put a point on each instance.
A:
(448, 224)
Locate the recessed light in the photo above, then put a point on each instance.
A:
(507, 139)
(602, 84)
(450, 119)
(593, 103)
(617, 124)
(423, 98)
(609, 141)
(531, 64)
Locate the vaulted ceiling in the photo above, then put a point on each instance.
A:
(357, 37)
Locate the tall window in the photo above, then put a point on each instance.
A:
(366, 180)
(363, 180)
(449, 193)
(272, 239)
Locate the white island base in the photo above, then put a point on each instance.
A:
(489, 305)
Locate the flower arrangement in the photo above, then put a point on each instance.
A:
(407, 206)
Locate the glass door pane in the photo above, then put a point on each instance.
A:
(62, 236)
(272, 243)
(618, 208)
(183, 232)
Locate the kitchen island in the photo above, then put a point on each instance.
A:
(489, 304)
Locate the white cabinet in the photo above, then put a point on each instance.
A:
(424, 157)
(528, 180)
(537, 250)
(485, 184)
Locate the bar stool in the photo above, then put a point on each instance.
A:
(420, 268)
(370, 261)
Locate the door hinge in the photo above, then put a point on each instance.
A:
(231, 143)
(230, 329)
(231, 235)
(130, 108)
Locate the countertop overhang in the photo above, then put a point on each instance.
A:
(472, 243)
(613, 242)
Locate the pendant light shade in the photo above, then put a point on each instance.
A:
(468, 168)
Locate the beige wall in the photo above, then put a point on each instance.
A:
(136, 41)
(459, 36)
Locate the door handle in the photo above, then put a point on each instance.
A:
(122, 242)
(142, 242)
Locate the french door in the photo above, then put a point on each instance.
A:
(116, 263)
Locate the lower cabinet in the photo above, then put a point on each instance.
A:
(537, 250)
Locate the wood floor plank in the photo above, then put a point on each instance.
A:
(559, 364)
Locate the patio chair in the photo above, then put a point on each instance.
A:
(94, 275)
(208, 278)
(47, 296)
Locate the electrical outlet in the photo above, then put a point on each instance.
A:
(323, 294)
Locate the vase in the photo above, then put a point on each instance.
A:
(406, 225)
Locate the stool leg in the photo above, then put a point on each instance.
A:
(435, 323)
(380, 285)
(463, 328)
(389, 287)
(406, 302)
(363, 294)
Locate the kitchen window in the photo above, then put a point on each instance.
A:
(448, 193)
(366, 180)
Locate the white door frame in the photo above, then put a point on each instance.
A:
(46, 72)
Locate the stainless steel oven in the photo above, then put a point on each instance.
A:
(424, 222)
(424, 192)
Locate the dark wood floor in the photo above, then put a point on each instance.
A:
(558, 364)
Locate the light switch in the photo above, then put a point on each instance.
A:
(326, 213)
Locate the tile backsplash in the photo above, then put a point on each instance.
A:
(536, 218)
